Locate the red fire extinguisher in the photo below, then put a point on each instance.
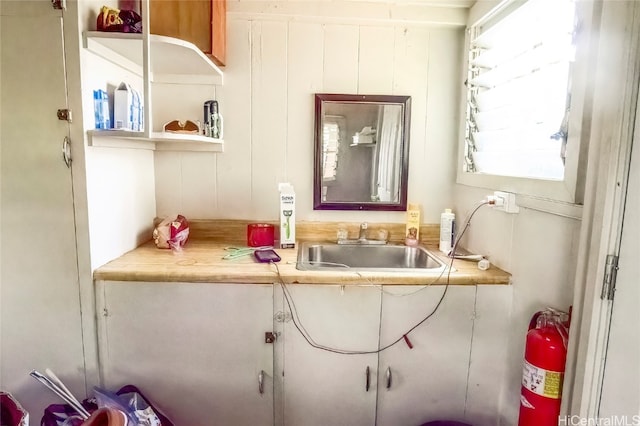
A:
(543, 372)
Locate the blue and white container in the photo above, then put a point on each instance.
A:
(101, 109)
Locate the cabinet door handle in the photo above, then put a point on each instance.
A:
(261, 382)
(367, 374)
(388, 377)
(66, 151)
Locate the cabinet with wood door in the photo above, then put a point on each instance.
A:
(201, 22)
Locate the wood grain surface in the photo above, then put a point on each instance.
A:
(201, 260)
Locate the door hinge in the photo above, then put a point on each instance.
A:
(610, 274)
(64, 115)
(59, 4)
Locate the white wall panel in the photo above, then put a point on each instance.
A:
(377, 52)
(169, 199)
(233, 169)
(444, 83)
(341, 56)
(121, 200)
(411, 69)
(188, 180)
(304, 78)
(268, 117)
(198, 171)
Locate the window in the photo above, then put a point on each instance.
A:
(520, 100)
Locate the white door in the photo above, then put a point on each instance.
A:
(321, 387)
(621, 384)
(40, 309)
(195, 350)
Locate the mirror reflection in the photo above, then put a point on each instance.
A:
(361, 152)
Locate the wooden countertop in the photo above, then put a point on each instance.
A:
(201, 261)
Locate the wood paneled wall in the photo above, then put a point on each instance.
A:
(274, 67)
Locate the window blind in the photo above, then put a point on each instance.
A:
(330, 147)
(518, 91)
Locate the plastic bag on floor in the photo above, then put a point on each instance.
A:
(128, 400)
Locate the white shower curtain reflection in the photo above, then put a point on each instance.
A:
(389, 146)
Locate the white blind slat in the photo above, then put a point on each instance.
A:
(519, 68)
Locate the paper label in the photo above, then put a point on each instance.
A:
(542, 382)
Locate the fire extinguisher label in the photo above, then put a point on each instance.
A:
(542, 382)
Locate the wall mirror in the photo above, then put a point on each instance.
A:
(361, 152)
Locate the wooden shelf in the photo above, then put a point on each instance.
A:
(172, 60)
(158, 141)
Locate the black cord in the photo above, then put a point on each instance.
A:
(298, 324)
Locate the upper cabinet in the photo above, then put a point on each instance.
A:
(201, 22)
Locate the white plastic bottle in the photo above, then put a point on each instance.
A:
(447, 231)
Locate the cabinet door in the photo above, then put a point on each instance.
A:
(428, 382)
(323, 388)
(201, 22)
(40, 316)
(195, 350)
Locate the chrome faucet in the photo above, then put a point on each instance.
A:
(363, 231)
(362, 236)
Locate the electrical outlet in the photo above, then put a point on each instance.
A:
(506, 201)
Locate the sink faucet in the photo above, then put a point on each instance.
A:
(362, 236)
(363, 231)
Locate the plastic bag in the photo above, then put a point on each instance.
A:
(131, 400)
(134, 407)
(116, 20)
(172, 233)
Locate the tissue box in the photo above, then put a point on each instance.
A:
(127, 108)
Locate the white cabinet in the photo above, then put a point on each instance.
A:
(428, 382)
(324, 388)
(407, 386)
(196, 350)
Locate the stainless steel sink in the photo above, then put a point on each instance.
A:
(389, 258)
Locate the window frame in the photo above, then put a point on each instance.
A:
(571, 188)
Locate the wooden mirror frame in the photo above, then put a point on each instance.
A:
(403, 164)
